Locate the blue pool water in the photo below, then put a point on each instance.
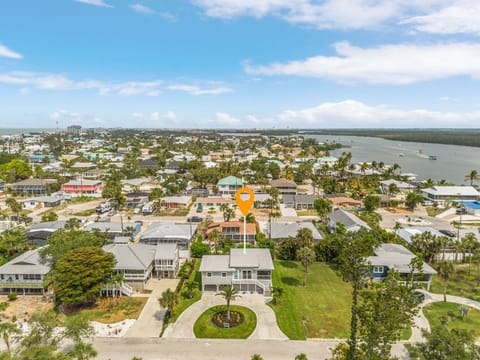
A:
(472, 204)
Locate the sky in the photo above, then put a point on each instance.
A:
(240, 63)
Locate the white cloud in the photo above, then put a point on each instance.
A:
(8, 53)
(99, 3)
(460, 17)
(386, 64)
(130, 88)
(196, 90)
(351, 113)
(63, 114)
(142, 9)
(322, 14)
(170, 115)
(155, 116)
(226, 119)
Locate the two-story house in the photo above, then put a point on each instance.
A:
(248, 270)
(284, 186)
(83, 187)
(229, 185)
(24, 274)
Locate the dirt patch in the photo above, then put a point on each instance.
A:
(24, 306)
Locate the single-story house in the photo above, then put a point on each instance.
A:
(235, 230)
(282, 230)
(169, 232)
(440, 194)
(138, 184)
(115, 229)
(135, 199)
(214, 202)
(261, 200)
(42, 202)
(37, 234)
(344, 203)
(299, 201)
(175, 202)
(397, 257)
(248, 270)
(407, 233)
(24, 274)
(350, 221)
(401, 186)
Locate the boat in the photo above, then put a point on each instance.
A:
(432, 157)
(401, 154)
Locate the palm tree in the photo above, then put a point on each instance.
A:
(214, 237)
(228, 212)
(469, 243)
(306, 256)
(277, 293)
(73, 223)
(8, 329)
(15, 206)
(445, 270)
(472, 176)
(168, 300)
(229, 293)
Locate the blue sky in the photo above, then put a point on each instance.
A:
(240, 63)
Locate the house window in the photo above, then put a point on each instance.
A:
(16, 277)
(224, 274)
(378, 270)
(209, 274)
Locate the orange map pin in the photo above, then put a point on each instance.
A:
(245, 204)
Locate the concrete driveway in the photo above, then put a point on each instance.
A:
(150, 321)
(267, 328)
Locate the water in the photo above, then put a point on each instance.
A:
(452, 164)
(14, 131)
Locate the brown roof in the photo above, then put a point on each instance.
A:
(220, 200)
(343, 200)
(251, 228)
(283, 183)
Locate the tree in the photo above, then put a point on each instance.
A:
(386, 308)
(256, 357)
(426, 244)
(49, 216)
(306, 256)
(8, 329)
(469, 243)
(353, 262)
(215, 236)
(13, 241)
(15, 206)
(304, 238)
(301, 356)
(198, 249)
(15, 170)
(250, 218)
(73, 223)
(229, 293)
(287, 249)
(443, 343)
(168, 300)
(228, 212)
(445, 270)
(472, 176)
(464, 310)
(371, 202)
(323, 207)
(412, 200)
(80, 275)
(190, 288)
(277, 293)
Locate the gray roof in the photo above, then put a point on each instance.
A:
(396, 257)
(348, 219)
(48, 226)
(215, 263)
(407, 232)
(299, 198)
(132, 256)
(27, 263)
(165, 230)
(257, 258)
(109, 226)
(282, 230)
(166, 251)
(253, 258)
(121, 240)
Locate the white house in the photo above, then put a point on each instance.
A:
(440, 194)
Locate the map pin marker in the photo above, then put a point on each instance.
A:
(245, 204)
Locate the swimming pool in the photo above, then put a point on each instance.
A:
(472, 204)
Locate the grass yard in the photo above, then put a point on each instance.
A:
(183, 302)
(112, 310)
(434, 311)
(310, 212)
(205, 329)
(319, 310)
(461, 284)
(85, 212)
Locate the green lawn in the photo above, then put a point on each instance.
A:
(319, 310)
(461, 284)
(204, 327)
(184, 302)
(310, 212)
(434, 311)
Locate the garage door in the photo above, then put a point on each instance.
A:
(210, 288)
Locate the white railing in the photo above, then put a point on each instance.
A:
(126, 289)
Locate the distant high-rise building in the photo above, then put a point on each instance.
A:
(74, 129)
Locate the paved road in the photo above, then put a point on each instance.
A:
(210, 349)
(150, 322)
(267, 328)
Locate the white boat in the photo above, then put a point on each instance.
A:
(401, 154)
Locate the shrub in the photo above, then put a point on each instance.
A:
(12, 296)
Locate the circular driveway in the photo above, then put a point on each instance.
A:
(267, 328)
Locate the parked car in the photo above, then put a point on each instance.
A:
(448, 233)
(194, 219)
(199, 208)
